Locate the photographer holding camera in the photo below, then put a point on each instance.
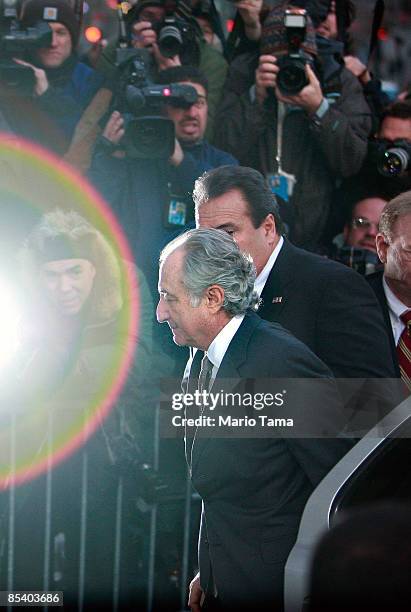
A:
(303, 120)
(63, 86)
(148, 188)
(173, 38)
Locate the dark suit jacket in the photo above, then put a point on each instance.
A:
(375, 282)
(331, 309)
(254, 490)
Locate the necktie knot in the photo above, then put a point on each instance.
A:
(406, 319)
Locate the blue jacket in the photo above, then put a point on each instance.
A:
(50, 119)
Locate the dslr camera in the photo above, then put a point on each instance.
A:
(291, 77)
(393, 159)
(16, 41)
(174, 35)
(148, 135)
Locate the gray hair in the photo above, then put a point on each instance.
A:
(396, 208)
(212, 257)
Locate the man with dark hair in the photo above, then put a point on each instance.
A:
(151, 197)
(394, 133)
(253, 489)
(355, 245)
(324, 304)
(143, 23)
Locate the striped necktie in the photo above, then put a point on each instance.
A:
(404, 349)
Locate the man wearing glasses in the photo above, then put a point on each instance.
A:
(362, 228)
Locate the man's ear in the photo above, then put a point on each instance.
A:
(269, 227)
(215, 297)
(382, 247)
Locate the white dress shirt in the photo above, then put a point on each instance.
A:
(221, 342)
(395, 308)
(261, 279)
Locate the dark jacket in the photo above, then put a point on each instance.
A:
(254, 490)
(50, 119)
(329, 307)
(316, 152)
(139, 192)
(375, 282)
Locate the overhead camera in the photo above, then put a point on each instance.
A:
(394, 159)
(16, 41)
(148, 135)
(291, 77)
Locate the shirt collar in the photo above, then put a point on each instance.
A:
(261, 279)
(395, 305)
(221, 342)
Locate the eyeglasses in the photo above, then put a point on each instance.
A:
(363, 223)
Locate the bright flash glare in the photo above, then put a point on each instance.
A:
(9, 324)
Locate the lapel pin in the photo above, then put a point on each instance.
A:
(277, 300)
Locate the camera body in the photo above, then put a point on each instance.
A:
(16, 41)
(291, 77)
(148, 135)
(393, 159)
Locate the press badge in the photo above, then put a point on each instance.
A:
(282, 184)
(177, 212)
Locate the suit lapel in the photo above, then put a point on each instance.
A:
(229, 372)
(375, 281)
(276, 290)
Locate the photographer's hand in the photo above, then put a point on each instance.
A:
(309, 98)
(250, 12)
(114, 130)
(143, 35)
(265, 76)
(358, 69)
(177, 156)
(42, 83)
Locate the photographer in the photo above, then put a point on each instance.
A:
(145, 23)
(63, 86)
(355, 246)
(304, 129)
(388, 163)
(151, 197)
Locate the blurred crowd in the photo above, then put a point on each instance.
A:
(168, 99)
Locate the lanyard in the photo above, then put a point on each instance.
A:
(291, 180)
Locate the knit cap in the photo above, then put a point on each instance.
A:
(274, 37)
(51, 11)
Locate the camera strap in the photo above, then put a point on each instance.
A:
(282, 183)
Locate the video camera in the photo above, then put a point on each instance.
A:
(291, 77)
(16, 41)
(393, 158)
(148, 135)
